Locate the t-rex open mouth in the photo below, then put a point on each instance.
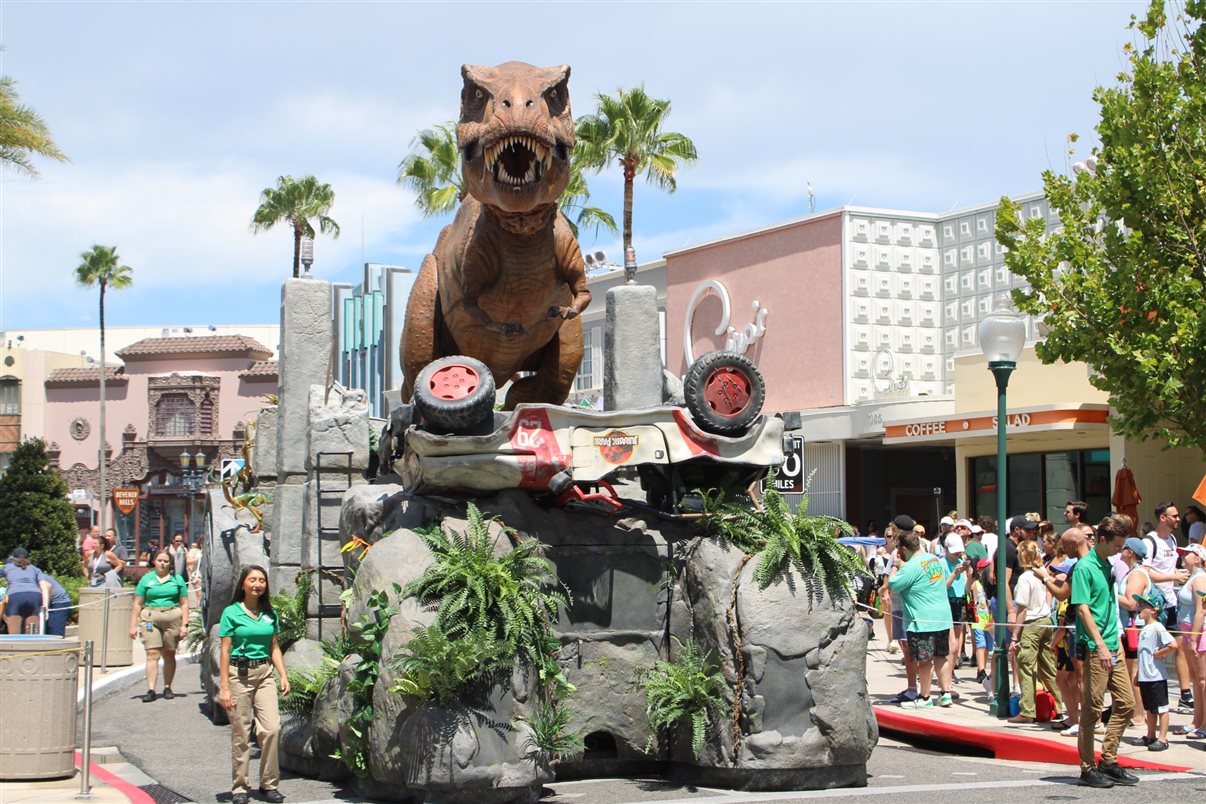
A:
(517, 161)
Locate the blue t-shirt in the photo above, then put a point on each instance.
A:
(1152, 637)
(22, 579)
(958, 587)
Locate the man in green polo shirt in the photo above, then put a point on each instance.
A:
(1104, 666)
(921, 583)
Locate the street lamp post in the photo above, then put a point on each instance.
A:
(1002, 336)
(192, 473)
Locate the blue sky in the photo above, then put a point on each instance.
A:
(177, 114)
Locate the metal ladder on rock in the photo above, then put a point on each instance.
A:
(326, 609)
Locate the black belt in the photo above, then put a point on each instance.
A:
(240, 661)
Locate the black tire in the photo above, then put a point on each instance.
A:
(454, 394)
(724, 392)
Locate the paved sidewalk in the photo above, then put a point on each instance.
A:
(968, 722)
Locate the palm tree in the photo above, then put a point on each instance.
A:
(22, 132)
(628, 128)
(433, 171)
(102, 267)
(575, 198)
(297, 202)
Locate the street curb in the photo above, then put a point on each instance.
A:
(124, 678)
(1017, 747)
(133, 793)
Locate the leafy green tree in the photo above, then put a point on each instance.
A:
(101, 268)
(1121, 285)
(433, 171)
(36, 514)
(627, 129)
(296, 202)
(23, 132)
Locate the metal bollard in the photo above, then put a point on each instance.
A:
(86, 754)
(105, 636)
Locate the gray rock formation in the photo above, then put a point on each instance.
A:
(792, 658)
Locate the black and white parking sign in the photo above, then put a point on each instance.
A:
(789, 478)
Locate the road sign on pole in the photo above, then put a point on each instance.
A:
(789, 477)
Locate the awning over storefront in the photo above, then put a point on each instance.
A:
(1082, 417)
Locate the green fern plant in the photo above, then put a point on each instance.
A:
(513, 596)
(551, 735)
(195, 637)
(304, 688)
(435, 667)
(783, 539)
(686, 690)
(291, 610)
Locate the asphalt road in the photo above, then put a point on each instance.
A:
(174, 743)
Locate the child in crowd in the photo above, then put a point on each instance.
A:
(1154, 644)
(981, 625)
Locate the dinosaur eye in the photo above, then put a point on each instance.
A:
(552, 94)
(477, 93)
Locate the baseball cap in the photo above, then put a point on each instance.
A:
(946, 520)
(19, 552)
(976, 529)
(982, 563)
(904, 522)
(963, 523)
(1197, 549)
(953, 543)
(1022, 521)
(1136, 546)
(1148, 600)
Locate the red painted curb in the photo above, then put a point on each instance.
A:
(1018, 747)
(132, 792)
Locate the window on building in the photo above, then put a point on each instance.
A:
(585, 381)
(206, 423)
(1043, 482)
(174, 416)
(10, 397)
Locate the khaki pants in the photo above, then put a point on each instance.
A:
(254, 693)
(1097, 680)
(1036, 661)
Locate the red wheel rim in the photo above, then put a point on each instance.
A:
(727, 392)
(453, 382)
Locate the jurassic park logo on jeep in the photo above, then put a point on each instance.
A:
(616, 446)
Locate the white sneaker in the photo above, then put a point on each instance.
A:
(1071, 731)
(893, 648)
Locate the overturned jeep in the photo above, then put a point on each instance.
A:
(451, 439)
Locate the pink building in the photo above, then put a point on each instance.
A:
(173, 395)
(784, 279)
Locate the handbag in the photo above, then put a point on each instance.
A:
(1131, 634)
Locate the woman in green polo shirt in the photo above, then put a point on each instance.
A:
(160, 619)
(247, 687)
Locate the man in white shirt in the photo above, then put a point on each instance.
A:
(988, 527)
(1197, 525)
(1162, 561)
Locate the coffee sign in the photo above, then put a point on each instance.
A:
(126, 499)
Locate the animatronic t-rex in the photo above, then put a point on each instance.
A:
(506, 282)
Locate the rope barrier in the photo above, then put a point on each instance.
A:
(114, 593)
(1031, 624)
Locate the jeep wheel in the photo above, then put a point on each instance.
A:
(454, 394)
(724, 392)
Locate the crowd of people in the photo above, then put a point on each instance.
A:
(1094, 609)
(32, 601)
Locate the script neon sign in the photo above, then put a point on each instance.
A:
(739, 340)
